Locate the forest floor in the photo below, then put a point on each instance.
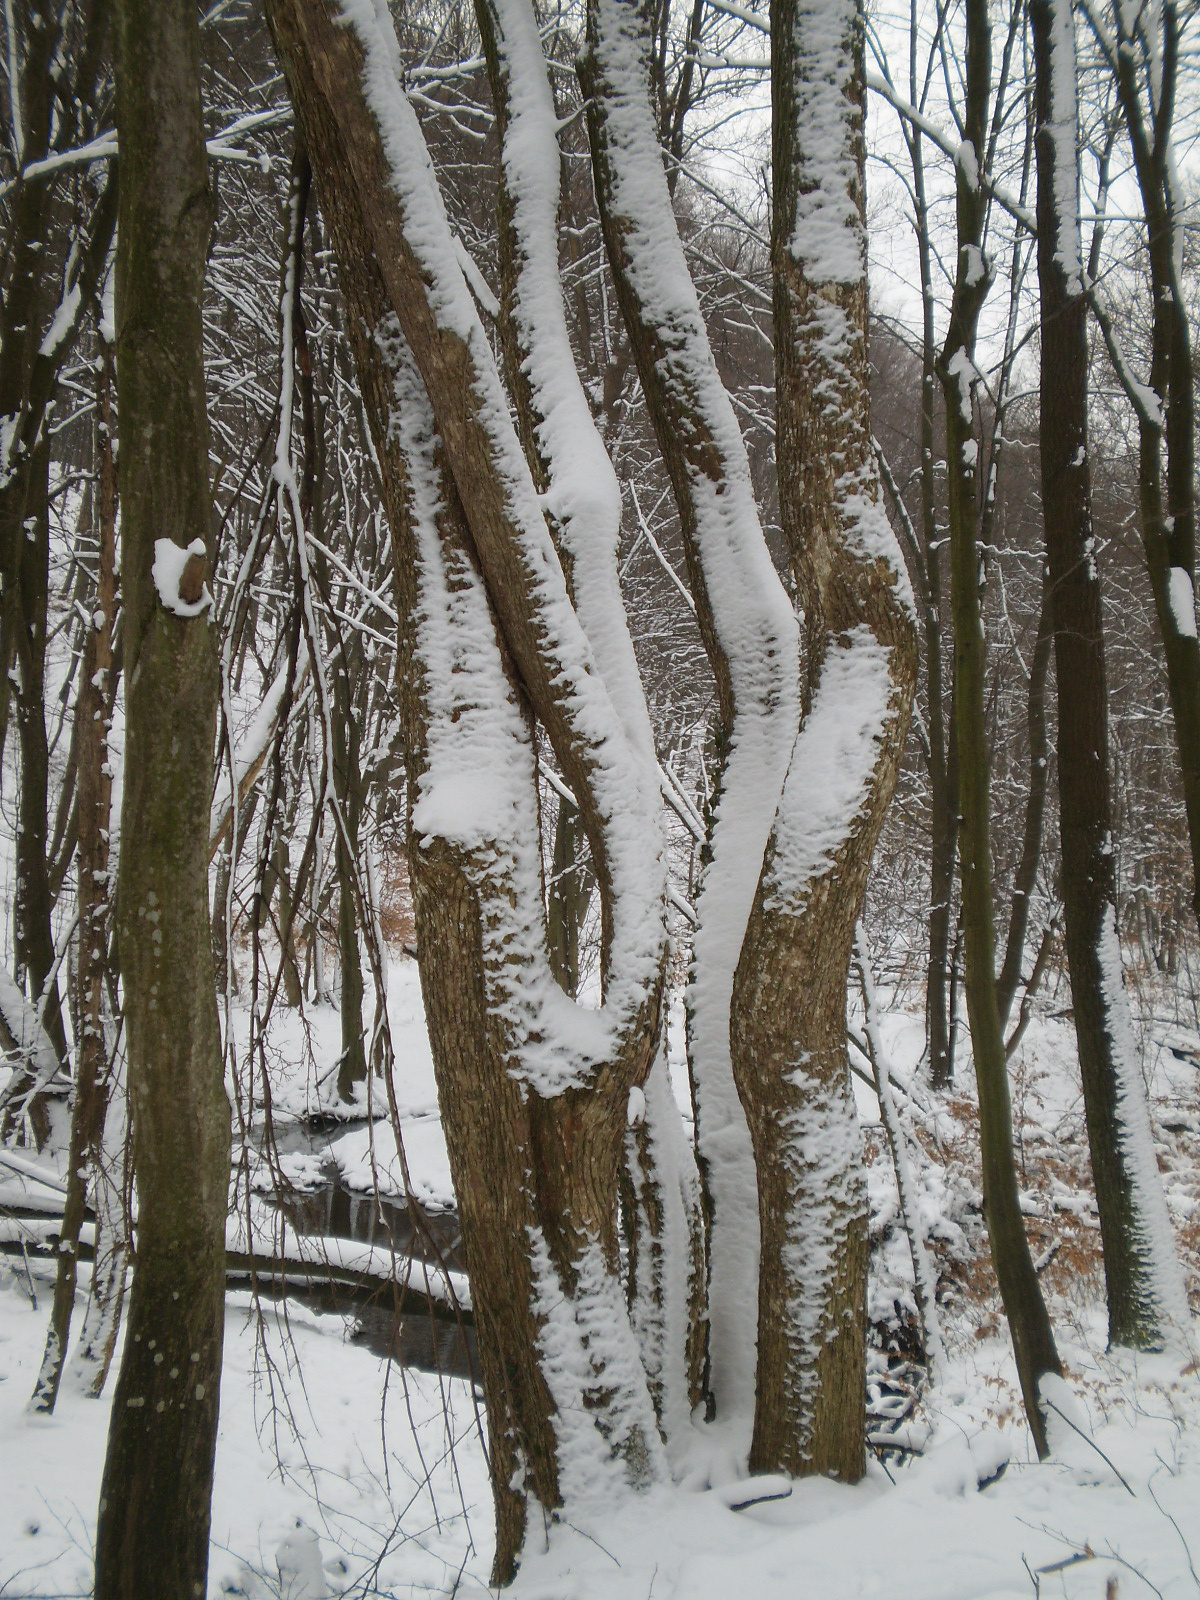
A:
(341, 1473)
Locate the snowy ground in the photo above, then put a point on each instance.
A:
(339, 1474)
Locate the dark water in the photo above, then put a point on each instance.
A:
(386, 1319)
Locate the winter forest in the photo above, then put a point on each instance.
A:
(600, 811)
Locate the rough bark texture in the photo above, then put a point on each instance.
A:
(152, 1536)
(1085, 797)
(522, 1166)
(1033, 1340)
(789, 1010)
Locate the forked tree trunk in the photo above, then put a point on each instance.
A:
(662, 1215)
(778, 1030)
(155, 1498)
(1141, 1268)
(1029, 1324)
(534, 1092)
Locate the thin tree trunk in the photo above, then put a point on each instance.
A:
(1029, 1324)
(155, 1499)
(1141, 1268)
(1148, 52)
(568, 897)
(1035, 813)
(943, 753)
(33, 937)
(95, 807)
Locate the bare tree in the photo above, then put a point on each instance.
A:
(1141, 1269)
(152, 1535)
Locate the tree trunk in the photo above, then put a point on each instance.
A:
(1033, 1340)
(569, 895)
(1149, 53)
(860, 668)
(534, 1097)
(789, 942)
(155, 1500)
(1035, 812)
(750, 636)
(95, 807)
(348, 784)
(1141, 1268)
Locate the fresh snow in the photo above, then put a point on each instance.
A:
(328, 1461)
(758, 635)
(1182, 597)
(170, 560)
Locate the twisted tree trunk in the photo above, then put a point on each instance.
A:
(534, 1091)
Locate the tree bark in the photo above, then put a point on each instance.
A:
(1141, 1272)
(534, 1150)
(860, 668)
(94, 902)
(1029, 1324)
(1035, 813)
(155, 1499)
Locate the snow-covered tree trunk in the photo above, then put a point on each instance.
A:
(583, 499)
(749, 633)
(769, 980)
(152, 1533)
(535, 1091)
(1141, 1267)
(859, 674)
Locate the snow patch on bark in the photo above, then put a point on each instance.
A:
(827, 1193)
(170, 563)
(827, 237)
(832, 769)
(1063, 131)
(1160, 1279)
(1182, 597)
(603, 1421)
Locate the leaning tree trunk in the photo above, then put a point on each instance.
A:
(534, 1091)
(155, 1500)
(1141, 1268)
(1029, 1323)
